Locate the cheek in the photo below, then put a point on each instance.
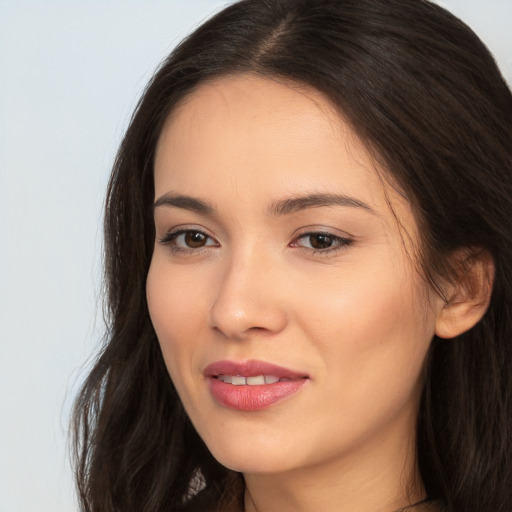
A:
(362, 305)
(176, 305)
(374, 334)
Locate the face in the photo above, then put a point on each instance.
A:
(283, 293)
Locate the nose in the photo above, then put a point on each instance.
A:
(249, 300)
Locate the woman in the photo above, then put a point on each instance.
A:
(308, 228)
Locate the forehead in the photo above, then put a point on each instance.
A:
(261, 140)
(250, 120)
(265, 99)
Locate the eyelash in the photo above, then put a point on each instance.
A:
(338, 242)
(170, 240)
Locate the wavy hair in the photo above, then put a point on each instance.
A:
(427, 99)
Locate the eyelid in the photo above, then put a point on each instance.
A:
(172, 234)
(342, 239)
(319, 229)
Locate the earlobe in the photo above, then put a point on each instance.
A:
(468, 298)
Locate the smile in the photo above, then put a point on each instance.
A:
(258, 380)
(251, 385)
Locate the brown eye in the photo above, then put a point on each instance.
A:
(188, 240)
(195, 239)
(321, 240)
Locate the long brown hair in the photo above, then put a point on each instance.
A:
(426, 97)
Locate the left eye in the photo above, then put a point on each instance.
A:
(321, 241)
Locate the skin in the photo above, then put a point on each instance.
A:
(356, 317)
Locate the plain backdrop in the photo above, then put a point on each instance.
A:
(70, 74)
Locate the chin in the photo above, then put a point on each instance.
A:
(246, 456)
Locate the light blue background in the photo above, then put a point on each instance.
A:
(70, 74)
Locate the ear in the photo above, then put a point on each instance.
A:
(468, 296)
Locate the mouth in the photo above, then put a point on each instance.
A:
(257, 380)
(251, 385)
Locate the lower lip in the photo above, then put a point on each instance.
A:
(252, 398)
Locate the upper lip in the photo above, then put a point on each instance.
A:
(250, 368)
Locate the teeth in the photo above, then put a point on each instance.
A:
(258, 380)
(236, 380)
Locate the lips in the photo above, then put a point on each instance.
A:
(251, 385)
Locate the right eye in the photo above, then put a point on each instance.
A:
(188, 240)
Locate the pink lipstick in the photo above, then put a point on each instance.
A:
(251, 385)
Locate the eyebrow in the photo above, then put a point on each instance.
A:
(185, 202)
(295, 204)
(282, 207)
